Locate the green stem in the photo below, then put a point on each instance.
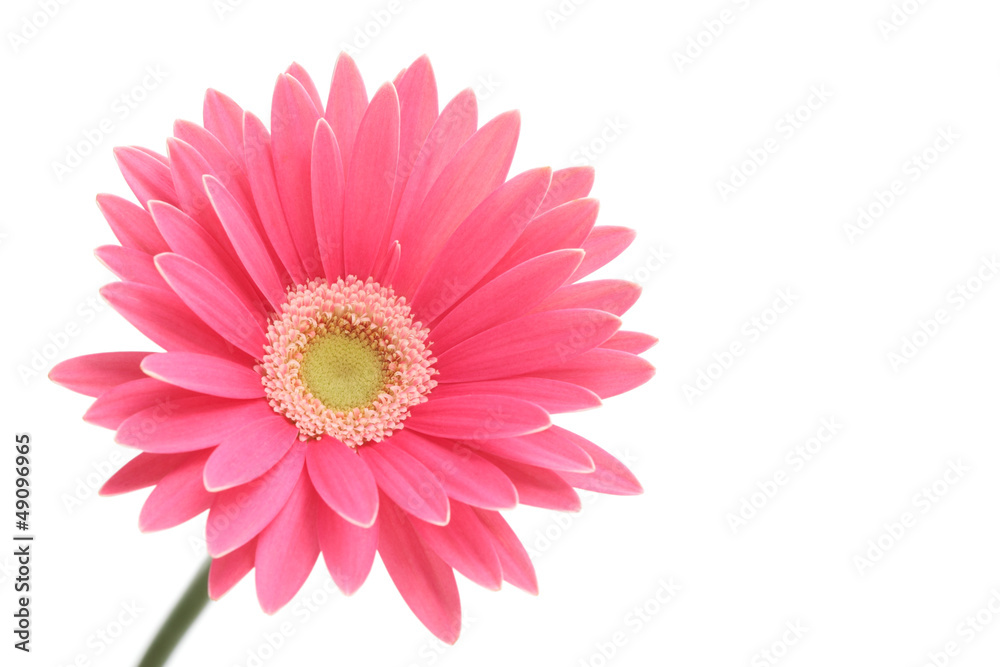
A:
(185, 612)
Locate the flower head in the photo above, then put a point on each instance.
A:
(366, 327)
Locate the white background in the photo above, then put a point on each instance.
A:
(671, 132)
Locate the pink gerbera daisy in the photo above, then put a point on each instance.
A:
(366, 329)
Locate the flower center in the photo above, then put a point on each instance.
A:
(346, 360)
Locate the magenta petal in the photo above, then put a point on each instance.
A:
(130, 265)
(205, 374)
(119, 403)
(550, 448)
(514, 559)
(328, 200)
(605, 372)
(609, 476)
(633, 342)
(229, 570)
(214, 303)
(188, 167)
(426, 582)
(148, 177)
(479, 242)
(93, 374)
(462, 474)
(188, 424)
(539, 487)
(224, 119)
(239, 514)
(287, 549)
(223, 165)
(528, 343)
(343, 480)
(370, 179)
(249, 452)
(508, 296)
(613, 296)
(293, 119)
(418, 110)
(465, 544)
(348, 549)
(142, 471)
(478, 417)
(179, 496)
(346, 105)
(603, 245)
(407, 481)
(551, 395)
(299, 73)
(567, 185)
(131, 225)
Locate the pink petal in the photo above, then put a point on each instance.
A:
(514, 559)
(465, 545)
(148, 177)
(462, 474)
(188, 166)
(241, 513)
(550, 448)
(248, 243)
(605, 372)
(633, 342)
(293, 120)
(299, 73)
(265, 194)
(346, 105)
(119, 403)
(609, 476)
(188, 239)
(287, 549)
(418, 109)
(506, 297)
(603, 245)
(94, 374)
(479, 242)
(179, 496)
(131, 225)
(223, 165)
(348, 550)
(551, 395)
(214, 303)
(613, 296)
(142, 471)
(426, 583)
(478, 417)
(343, 480)
(526, 344)
(567, 185)
(249, 452)
(539, 487)
(188, 424)
(130, 265)
(370, 179)
(407, 481)
(205, 374)
(229, 570)
(328, 200)
(164, 319)
(479, 167)
(224, 118)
